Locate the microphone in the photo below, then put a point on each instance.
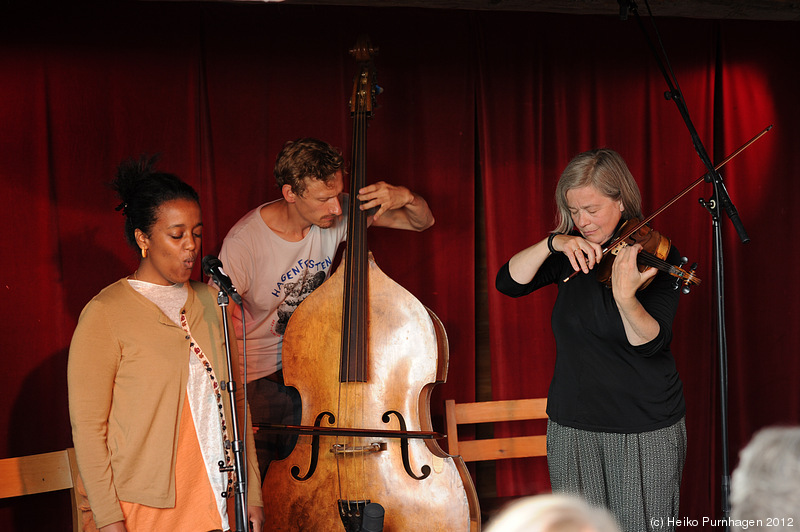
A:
(212, 267)
(373, 518)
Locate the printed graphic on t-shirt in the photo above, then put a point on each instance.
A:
(300, 271)
(295, 292)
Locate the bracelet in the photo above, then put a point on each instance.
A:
(550, 242)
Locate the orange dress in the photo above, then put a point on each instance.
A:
(195, 506)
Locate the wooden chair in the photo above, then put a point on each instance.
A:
(40, 473)
(495, 448)
(495, 411)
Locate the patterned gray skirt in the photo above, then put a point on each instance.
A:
(636, 476)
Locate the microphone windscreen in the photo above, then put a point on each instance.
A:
(210, 261)
(373, 518)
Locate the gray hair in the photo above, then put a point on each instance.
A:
(766, 483)
(605, 170)
(552, 513)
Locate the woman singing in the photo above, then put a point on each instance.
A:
(150, 422)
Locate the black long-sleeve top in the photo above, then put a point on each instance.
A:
(602, 382)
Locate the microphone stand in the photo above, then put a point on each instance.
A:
(237, 444)
(719, 199)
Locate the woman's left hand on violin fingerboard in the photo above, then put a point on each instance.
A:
(625, 275)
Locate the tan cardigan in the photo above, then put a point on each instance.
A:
(127, 373)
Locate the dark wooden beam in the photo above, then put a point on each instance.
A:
(785, 10)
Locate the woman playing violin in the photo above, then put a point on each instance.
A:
(616, 433)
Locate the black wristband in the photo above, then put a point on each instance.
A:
(550, 242)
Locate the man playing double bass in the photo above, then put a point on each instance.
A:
(281, 251)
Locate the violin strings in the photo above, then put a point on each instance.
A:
(362, 361)
(352, 399)
(651, 260)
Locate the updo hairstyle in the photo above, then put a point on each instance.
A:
(143, 190)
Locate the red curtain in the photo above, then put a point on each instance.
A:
(474, 101)
(759, 89)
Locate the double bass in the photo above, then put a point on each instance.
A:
(365, 355)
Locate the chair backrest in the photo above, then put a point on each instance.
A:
(40, 473)
(495, 411)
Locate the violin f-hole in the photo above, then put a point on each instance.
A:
(426, 469)
(312, 466)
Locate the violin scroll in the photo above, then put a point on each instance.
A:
(689, 278)
(365, 90)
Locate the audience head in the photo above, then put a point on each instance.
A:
(552, 513)
(765, 486)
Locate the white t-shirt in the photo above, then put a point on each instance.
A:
(274, 276)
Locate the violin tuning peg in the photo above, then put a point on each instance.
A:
(686, 288)
(694, 266)
(684, 260)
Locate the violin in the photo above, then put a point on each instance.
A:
(655, 248)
